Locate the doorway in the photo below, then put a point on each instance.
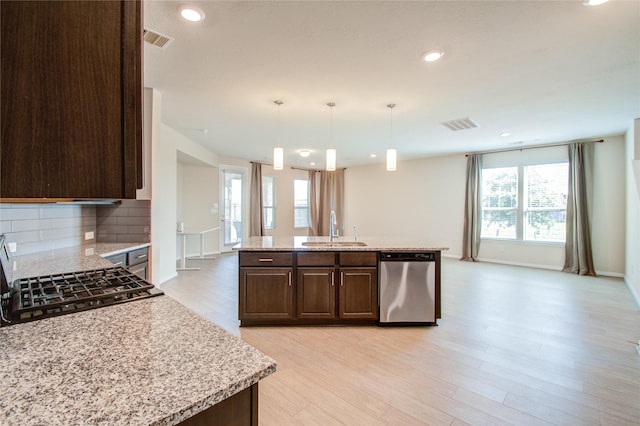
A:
(233, 213)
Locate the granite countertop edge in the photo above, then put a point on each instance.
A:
(340, 244)
(71, 259)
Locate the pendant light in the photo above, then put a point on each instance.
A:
(278, 151)
(331, 152)
(391, 152)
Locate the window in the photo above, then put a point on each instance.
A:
(499, 202)
(525, 203)
(301, 203)
(546, 202)
(268, 201)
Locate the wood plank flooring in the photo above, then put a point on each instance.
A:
(515, 346)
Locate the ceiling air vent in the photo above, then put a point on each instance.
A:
(154, 38)
(460, 124)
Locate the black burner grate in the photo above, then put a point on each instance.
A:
(51, 295)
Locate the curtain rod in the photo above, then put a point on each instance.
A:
(533, 147)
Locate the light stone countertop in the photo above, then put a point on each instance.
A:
(72, 259)
(147, 362)
(271, 243)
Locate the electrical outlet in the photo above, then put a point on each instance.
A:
(88, 235)
(13, 247)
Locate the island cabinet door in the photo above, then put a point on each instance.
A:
(316, 293)
(266, 294)
(358, 293)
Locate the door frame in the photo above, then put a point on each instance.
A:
(244, 171)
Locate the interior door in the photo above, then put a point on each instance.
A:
(234, 201)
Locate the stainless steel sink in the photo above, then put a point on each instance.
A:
(334, 244)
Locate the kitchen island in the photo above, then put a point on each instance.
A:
(317, 280)
(144, 362)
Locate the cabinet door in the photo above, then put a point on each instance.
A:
(265, 293)
(71, 99)
(316, 293)
(358, 293)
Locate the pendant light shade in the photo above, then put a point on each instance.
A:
(391, 159)
(331, 152)
(331, 159)
(391, 152)
(278, 151)
(278, 158)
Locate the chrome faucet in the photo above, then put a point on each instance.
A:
(332, 225)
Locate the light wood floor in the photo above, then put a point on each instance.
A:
(515, 346)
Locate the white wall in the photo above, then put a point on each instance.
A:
(198, 205)
(166, 142)
(422, 199)
(425, 199)
(608, 221)
(632, 213)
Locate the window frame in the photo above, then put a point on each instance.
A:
(521, 208)
(271, 207)
(307, 207)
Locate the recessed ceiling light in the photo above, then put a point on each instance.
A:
(594, 2)
(312, 164)
(192, 14)
(305, 153)
(372, 155)
(432, 55)
(505, 134)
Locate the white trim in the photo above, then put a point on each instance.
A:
(636, 296)
(159, 285)
(527, 265)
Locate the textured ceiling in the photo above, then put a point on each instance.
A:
(546, 71)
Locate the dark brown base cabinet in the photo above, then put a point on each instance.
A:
(266, 293)
(240, 409)
(137, 261)
(329, 288)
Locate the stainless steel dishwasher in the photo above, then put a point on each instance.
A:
(408, 288)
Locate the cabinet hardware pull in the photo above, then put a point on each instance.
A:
(117, 264)
(142, 256)
(265, 259)
(332, 274)
(289, 273)
(341, 279)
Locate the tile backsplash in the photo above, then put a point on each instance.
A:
(42, 227)
(127, 222)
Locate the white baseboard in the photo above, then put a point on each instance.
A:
(159, 285)
(526, 265)
(451, 255)
(610, 274)
(636, 296)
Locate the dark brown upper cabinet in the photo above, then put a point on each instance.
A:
(71, 99)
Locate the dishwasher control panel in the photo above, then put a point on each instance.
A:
(399, 256)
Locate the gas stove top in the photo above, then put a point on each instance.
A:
(29, 299)
(52, 295)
